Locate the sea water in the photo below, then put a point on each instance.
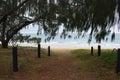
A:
(81, 42)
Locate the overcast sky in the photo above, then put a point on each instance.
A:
(30, 29)
(34, 29)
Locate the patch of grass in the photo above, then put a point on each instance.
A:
(82, 53)
(107, 59)
(104, 65)
(104, 74)
(27, 60)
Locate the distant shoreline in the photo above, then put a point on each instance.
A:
(71, 46)
(78, 43)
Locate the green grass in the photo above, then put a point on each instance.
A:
(107, 58)
(27, 58)
(97, 68)
(102, 66)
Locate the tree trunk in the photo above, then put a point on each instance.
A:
(4, 44)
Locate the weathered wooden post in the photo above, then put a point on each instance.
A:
(92, 51)
(48, 50)
(99, 50)
(39, 48)
(118, 61)
(15, 59)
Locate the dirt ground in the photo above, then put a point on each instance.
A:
(61, 65)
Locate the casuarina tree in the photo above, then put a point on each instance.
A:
(80, 16)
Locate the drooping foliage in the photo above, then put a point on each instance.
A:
(17, 14)
(84, 15)
(24, 38)
(80, 16)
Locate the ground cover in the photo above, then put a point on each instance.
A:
(63, 64)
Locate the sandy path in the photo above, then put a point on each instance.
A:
(61, 67)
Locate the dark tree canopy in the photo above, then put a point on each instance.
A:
(24, 38)
(79, 16)
(83, 15)
(17, 14)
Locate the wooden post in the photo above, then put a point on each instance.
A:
(48, 50)
(15, 59)
(99, 50)
(92, 51)
(39, 50)
(118, 61)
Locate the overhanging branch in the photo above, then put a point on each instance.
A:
(12, 11)
(18, 27)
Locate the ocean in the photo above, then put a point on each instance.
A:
(81, 42)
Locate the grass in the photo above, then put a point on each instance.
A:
(75, 64)
(27, 58)
(102, 67)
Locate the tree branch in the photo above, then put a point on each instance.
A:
(12, 11)
(18, 27)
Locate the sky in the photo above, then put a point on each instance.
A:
(34, 29)
(30, 29)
